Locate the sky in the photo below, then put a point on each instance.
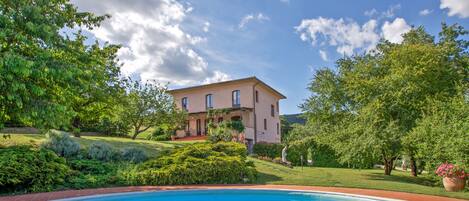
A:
(282, 42)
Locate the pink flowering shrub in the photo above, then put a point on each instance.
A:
(451, 170)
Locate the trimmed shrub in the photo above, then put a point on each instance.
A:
(295, 151)
(92, 173)
(201, 163)
(133, 154)
(160, 134)
(165, 137)
(90, 166)
(102, 151)
(61, 143)
(23, 168)
(268, 149)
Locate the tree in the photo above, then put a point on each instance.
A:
(45, 75)
(286, 127)
(147, 105)
(442, 134)
(102, 88)
(366, 108)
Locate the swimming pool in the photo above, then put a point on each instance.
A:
(225, 195)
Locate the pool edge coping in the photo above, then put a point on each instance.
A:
(372, 198)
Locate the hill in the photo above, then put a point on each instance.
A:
(294, 118)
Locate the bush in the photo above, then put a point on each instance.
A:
(61, 143)
(324, 156)
(29, 169)
(201, 163)
(90, 166)
(134, 155)
(92, 173)
(268, 149)
(225, 131)
(295, 151)
(165, 137)
(102, 151)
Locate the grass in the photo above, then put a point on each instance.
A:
(152, 148)
(271, 173)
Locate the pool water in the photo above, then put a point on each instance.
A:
(222, 195)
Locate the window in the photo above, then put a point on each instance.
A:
(272, 110)
(257, 96)
(265, 124)
(235, 98)
(208, 101)
(278, 129)
(277, 106)
(184, 103)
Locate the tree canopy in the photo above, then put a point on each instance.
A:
(366, 107)
(48, 74)
(148, 104)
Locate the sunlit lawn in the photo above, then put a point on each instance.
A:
(271, 173)
(151, 147)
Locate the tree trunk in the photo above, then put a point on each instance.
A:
(388, 166)
(413, 166)
(135, 133)
(76, 126)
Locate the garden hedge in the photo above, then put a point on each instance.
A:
(29, 169)
(268, 149)
(202, 163)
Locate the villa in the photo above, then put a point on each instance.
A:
(249, 100)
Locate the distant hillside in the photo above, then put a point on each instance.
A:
(294, 118)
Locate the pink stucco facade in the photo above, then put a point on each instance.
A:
(260, 115)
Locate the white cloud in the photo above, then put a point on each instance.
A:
(285, 1)
(323, 55)
(392, 31)
(206, 26)
(218, 77)
(371, 13)
(389, 13)
(154, 46)
(347, 36)
(425, 12)
(456, 7)
(260, 17)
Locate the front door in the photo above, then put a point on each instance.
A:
(198, 127)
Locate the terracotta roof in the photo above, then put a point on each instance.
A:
(253, 78)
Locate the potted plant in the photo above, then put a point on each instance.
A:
(454, 177)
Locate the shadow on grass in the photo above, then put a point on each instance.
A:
(263, 178)
(402, 179)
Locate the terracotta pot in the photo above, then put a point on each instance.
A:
(453, 184)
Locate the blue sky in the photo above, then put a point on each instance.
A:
(281, 42)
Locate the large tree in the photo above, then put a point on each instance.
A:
(148, 105)
(47, 78)
(366, 107)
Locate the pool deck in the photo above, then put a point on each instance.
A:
(87, 192)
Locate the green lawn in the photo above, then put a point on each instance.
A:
(151, 147)
(271, 173)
